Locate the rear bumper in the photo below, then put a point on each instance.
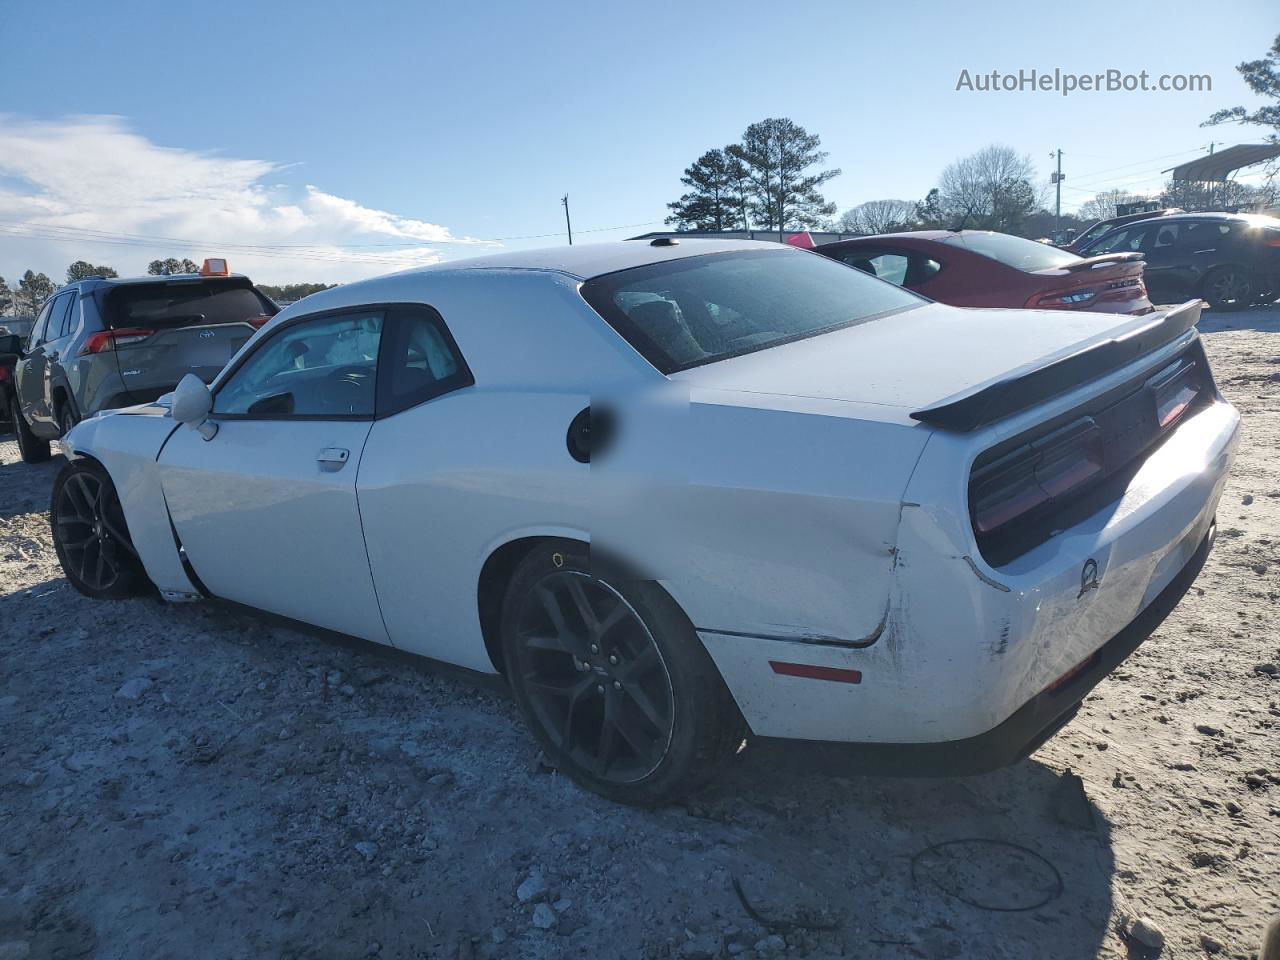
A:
(1017, 737)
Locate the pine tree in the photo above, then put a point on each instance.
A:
(713, 202)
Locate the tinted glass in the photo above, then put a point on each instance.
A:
(886, 266)
(318, 368)
(1015, 252)
(182, 303)
(69, 315)
(697, 310)
(37, 329)
(1122, 241)
(419, 362)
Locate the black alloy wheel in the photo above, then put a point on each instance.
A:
(613, 680)
(594, 676)
(1228, 288)
(90, 534)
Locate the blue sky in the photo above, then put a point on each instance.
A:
(360, 136)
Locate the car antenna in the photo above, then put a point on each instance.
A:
(963, 220)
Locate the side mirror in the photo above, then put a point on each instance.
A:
(192, 402)
(11, 343)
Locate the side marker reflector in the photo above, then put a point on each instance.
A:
(812, 672)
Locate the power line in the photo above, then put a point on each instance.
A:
(89, 234)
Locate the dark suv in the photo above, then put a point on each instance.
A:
(99, 344)
(1229, 259)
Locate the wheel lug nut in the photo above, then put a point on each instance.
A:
(595, 648)
(599, 688)
(613, 660)
(617, 685)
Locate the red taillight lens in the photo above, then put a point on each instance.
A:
(260, 320)
(1175, 388)
(1270, 237)
(105, 340)
(1066, 298)
(4, 374)
(1036, 473)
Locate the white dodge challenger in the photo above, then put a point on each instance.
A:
(686, 494)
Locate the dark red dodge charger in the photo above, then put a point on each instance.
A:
(977, 268)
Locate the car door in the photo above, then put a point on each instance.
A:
(30, 375)
(1163, 245)
(266, 508)
(1205, 245)
(418, 487)
(57, 341)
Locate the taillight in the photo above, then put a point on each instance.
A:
(1035, 473)
(1271, 237)
(1175, 388)
(260, 320)
(1067, 298)
(105, 340)
(4, 374)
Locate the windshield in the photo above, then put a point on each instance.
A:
(697, 310)
(1013, 251)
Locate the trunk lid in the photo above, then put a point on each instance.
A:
(1111, 281)
(938, 356)
(163, 330)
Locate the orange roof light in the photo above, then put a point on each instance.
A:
(215, 267)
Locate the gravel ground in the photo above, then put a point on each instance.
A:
(191, 781)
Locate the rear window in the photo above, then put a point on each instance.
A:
(697, 310)
(185, 303)
(1013, 251)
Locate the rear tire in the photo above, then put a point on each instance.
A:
(32, 448)
(1229, 288)
(90, 534)
(613, 681)
(66, 419)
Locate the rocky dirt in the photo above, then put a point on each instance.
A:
(188, 781)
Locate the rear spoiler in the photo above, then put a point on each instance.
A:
(1032, 385)
(1088, 263)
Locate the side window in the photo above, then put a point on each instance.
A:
(923, 268)
(879, 263)
(891, 267)
(1166, 236)
(1122, 241)
(419, 360)
(321, 368)
(37, 329)
(68, 321)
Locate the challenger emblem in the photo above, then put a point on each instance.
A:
(206, 334)
(1088, 577)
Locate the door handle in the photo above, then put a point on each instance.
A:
(1210, 250)
(333, 456)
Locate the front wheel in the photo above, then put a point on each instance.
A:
(90, 534)
(31, 447)
(613, 680)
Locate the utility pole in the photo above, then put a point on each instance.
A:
(567, 224)
(1056, 179)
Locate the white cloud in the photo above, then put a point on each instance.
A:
(90, 188)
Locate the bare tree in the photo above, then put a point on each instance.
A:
(877, 216)
(1103, 206)
(993, 189)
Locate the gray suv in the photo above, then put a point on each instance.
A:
(99, 344)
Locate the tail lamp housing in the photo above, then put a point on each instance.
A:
(107, 340)
(1034, 474)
